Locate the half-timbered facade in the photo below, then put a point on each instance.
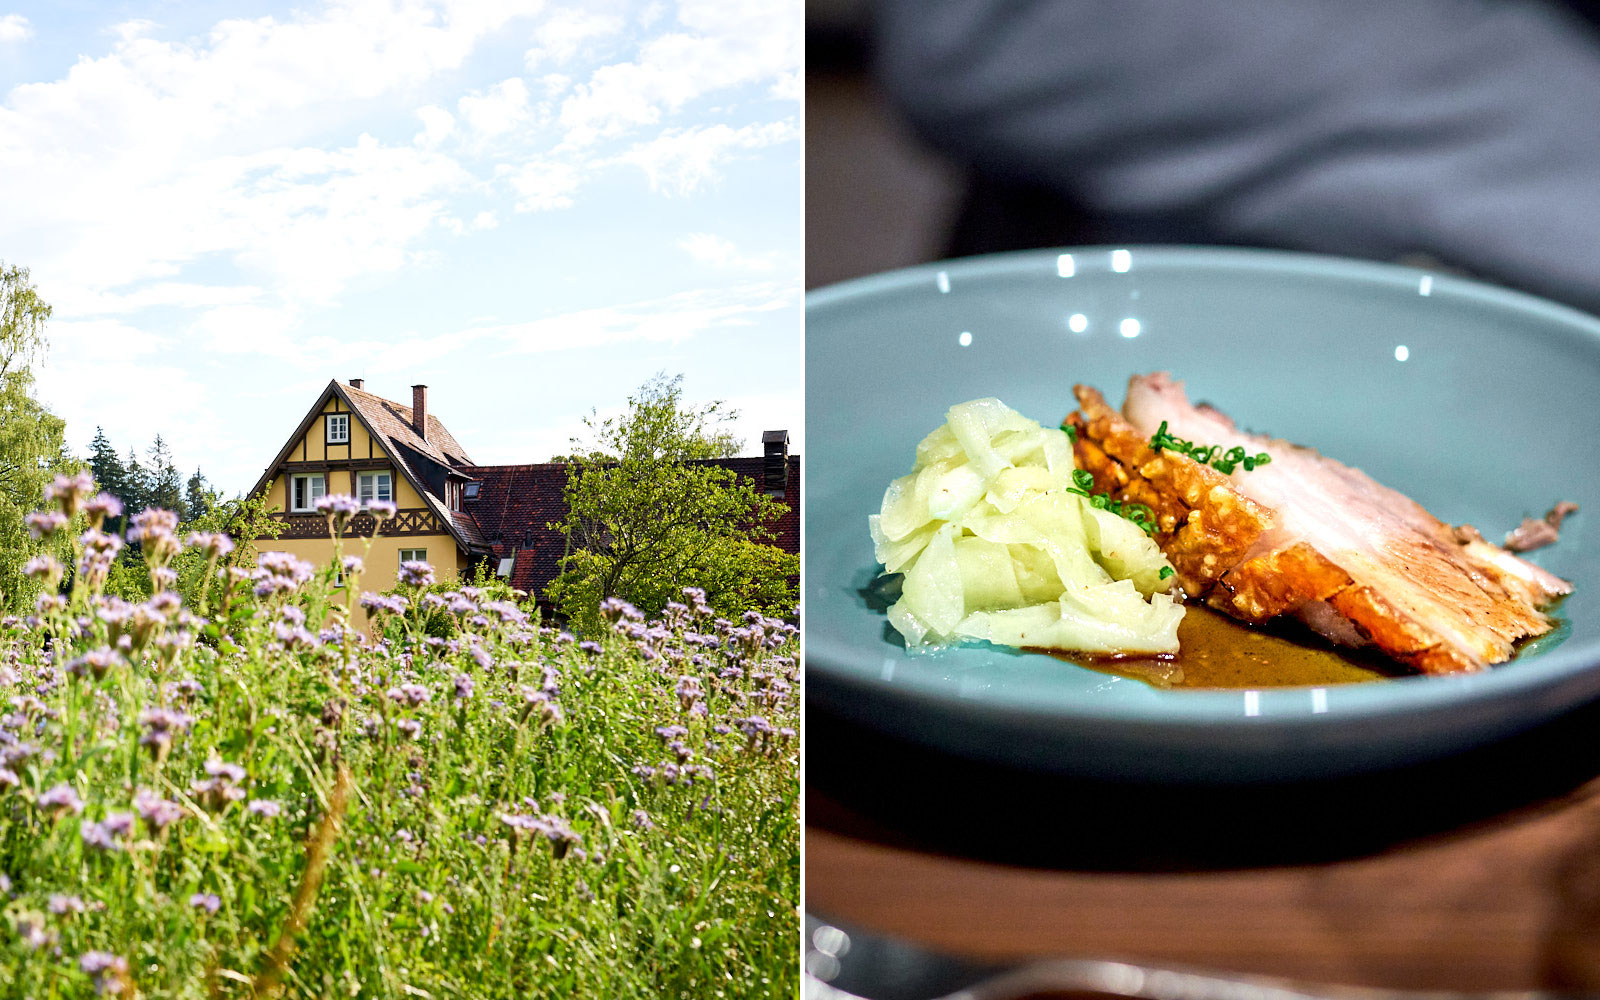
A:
(374, 449)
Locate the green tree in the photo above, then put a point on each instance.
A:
(164, 484)
(649, 512)
(32, 440)
(137, 482)
(109, 473)
(198, 496)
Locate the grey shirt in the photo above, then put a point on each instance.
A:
(1463, 129)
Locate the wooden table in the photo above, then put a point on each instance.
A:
(1478, 872)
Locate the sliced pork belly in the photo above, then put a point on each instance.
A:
(1308, 536)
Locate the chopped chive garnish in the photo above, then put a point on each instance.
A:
(1142, 516)
(1166, 571)
(1072, 432)
(1212, 454)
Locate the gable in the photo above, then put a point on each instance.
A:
(365, 423)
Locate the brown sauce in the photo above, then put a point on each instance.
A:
(1216, 651)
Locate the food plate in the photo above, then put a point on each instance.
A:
(1478, 402)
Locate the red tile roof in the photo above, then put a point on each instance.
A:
(392, 420)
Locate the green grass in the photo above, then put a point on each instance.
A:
(535, 838)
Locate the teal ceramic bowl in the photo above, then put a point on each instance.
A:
(1482, 404)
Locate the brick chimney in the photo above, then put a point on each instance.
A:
(774, 463)
(355, 383)
(419, 410)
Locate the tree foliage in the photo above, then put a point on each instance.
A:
(650, 511)
(32, 440)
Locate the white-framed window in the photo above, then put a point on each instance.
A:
(338, 428)
(413, 555)
(305, 489)
(372, 486)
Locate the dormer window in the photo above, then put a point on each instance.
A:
(338, 428)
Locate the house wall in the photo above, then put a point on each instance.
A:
(382, 560)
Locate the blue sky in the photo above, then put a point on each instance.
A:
(531, 206)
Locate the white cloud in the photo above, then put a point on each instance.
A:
(672, 319)
(568, 32)
(542, 184)
(437, 124)
(721, 253)
(726, 44)
(680, 160)
(158, 154)
(502, 108)
(179, 294)
(248, 329)
(14, 28)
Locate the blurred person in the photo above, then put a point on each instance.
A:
(1456, 131)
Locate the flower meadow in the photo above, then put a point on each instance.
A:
(285, 786)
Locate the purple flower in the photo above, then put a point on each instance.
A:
(265, 808)
(416, 573)
(642, 820)
(382, 509)
(393, 603)
(43, 568)
(68, 491)
(409, 728)
(207, 901)
(225, 771)
(688, 690)
(109, 971)
(280, 572)
(154, 525)
(63, 905)
(158, 813)
(162, 726)
(353, 565)
(44, 523)
(214, 544)
(59, 801)
(413, 695)
(589, 646)
(99, 836)
(463, 685)
(339, 507)
(615, 609)
(100, 507)
(96, 663)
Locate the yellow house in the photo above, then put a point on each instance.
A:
(375, 449)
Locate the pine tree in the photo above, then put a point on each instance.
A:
(165, 481)
(108, 472)
(199, 497)
(137, 482)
